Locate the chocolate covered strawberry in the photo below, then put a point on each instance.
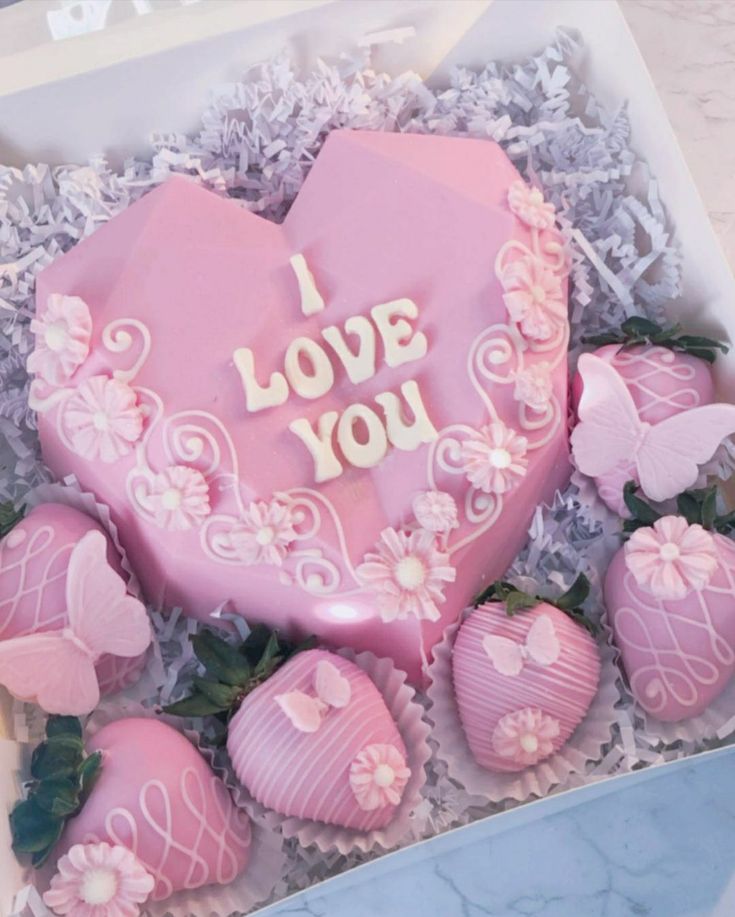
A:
(670, 594)
(664, 371)
(68, 630)
(35, 590)
(524, 674)
(312, 736)
(149, 793)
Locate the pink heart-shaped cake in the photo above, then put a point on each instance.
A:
(662, 383)
(670, 594)
(340, 425)
(522, 684)
(316, 741)
(159, 798)
(34, 561)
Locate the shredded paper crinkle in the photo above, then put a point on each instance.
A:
(257, 142)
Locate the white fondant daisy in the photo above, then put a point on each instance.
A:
(494, 458)
(102, 419)
(265, 534)
(534, 386)
(534, 297)
(179, 498)
(63, 331)
(407, 572)
(378, 777)
(525, 736)
(435, 511)
(528, 204)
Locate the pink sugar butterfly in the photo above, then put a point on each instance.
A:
(509, 657)
(666, 454)
(56, 669)
(305, 711)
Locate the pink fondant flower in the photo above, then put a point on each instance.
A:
(435, 511)
(98, 880)
(265, 534)
(529, 205)
(534, 386)
(494, 458)
(62, 333)
(407, 573)
(525, 736)
(179, 498)
(378, 777)
(672, 558)
(533, 296)
(102, 419)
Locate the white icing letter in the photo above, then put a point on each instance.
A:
(311, 298)
(400, 341)
(401, 435)
(319, 380)
(373, 450)
(359, 366)
(319, 444)
(257, 397)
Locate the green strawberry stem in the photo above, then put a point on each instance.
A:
(698, 507)
(637, 330)
(232, 672)
(515, 600)
(62, 779)
(9, 517)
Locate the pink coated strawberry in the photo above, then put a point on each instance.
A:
(316, 741)
(34, 558)
(670, 595)
(522, 683)
(158, 797)
(662, 383)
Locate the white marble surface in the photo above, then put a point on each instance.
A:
(689, 46)
(664, 848)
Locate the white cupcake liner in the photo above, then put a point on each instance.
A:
(409, 717)
(252, 887)
(717, 722)
(585, 744)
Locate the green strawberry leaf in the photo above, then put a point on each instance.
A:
(59, 756)
(88, 774)
(63, 726)
(57, 795)
(195, 705)
(222, 695)
(638, 330)
(575, 596)
(222, 661)
(33, 828)
(40, 856)
(516, 601)
(9, 517)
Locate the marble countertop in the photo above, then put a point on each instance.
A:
(664, 848)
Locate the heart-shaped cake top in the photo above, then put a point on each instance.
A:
(339, 425)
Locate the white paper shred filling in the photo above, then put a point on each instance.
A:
(257, 142)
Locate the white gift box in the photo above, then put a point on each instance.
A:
(65, 100)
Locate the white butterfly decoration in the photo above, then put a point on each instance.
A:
(541, 646)
(666, 454)
(56, 669)
(305, 711)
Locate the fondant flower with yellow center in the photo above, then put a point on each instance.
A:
(378, 777)
(63, 332)
(102, 419)
(534, 297)
(525, 736)
(179, 498)
(528, 204)
(435, 511)
(494, 458)
(99, 880)
(407, 572)
(671, 558)
(265, 534)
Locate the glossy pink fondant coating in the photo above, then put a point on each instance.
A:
(307, 775)
(381, 216)
(679, 655)
(33, 562)
(662, 383)
(158, 797)
(562, 690)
